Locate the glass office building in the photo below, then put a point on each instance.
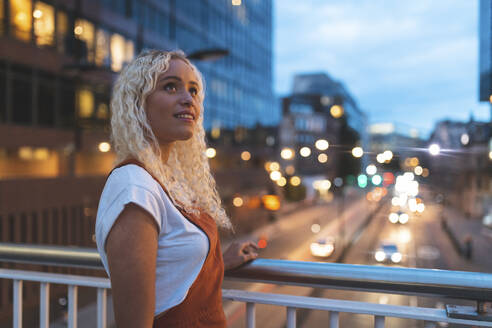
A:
(58, 60)
(109, 33)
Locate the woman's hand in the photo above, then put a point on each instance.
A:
(239, 253)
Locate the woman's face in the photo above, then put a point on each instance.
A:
(174, 106)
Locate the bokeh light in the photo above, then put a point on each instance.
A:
(322, 158)
(322, 144)
(357, 152)
(210, 152)
(305, 151)
(295, 181)
(245, 155)
(237, 201)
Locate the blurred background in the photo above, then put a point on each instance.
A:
(345, 131)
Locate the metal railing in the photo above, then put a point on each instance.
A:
(407, 281)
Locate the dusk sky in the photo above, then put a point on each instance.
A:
(412, 62)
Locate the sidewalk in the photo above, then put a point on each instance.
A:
(459, 229)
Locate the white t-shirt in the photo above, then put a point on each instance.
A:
(182, 246)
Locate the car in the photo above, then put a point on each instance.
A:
(323, 247)
(398, 217)
(388, 253)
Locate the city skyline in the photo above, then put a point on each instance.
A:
(389, 57)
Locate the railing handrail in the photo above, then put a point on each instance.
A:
(68, 256)
(396, 280)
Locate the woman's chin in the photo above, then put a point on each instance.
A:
(180, 135)
(186, 135)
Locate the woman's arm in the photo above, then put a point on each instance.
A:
(131, 248)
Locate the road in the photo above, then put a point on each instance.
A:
(421, 241)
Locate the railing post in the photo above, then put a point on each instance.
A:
(72, 306)
(291, 317)
(17, 308)
(250, 315)
(379, 321)
(101, 307)
(44, 305)
(429, 324)
(333, 319)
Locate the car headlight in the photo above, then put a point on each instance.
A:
(380, 256)
(403, 218)
(322, 250)
(396, 257)
(393, 217)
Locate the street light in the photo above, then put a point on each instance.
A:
(388, 155)
(434, 149)
(322, 158)
(104, 147)
(322, 144)
(210, 152)
(287, 153)
(305, 151)
(245, 155)
(357, 152)
(336, 111)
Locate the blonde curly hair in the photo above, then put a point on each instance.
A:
(186, 175)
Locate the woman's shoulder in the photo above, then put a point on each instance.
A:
(132, 175)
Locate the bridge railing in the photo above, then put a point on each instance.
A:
(472, 286)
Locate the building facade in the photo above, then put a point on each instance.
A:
(485, 52)
(322, 108)
(402, 140)
(462, 170)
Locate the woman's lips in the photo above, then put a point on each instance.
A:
(185, 117)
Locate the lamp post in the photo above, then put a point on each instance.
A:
(208, 54)
(339, 192)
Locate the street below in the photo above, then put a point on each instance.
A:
(422, 243)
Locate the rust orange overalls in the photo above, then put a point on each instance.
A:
(202, 306)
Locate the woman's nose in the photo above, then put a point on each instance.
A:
(187, 99)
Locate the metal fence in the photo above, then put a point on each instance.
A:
(407, 281)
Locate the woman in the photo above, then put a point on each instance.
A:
(156, 227)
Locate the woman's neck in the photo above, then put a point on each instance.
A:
(165, 151)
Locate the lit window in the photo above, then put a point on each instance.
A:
(61, 30)
(41, 154)
(117, 52)
(44, 24)
(25, 153)
(84, 30)
(102, 111)
(21, 15)
(102, 48)
(85, 103)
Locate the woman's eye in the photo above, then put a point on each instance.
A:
(193, 91)
(170, 87)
